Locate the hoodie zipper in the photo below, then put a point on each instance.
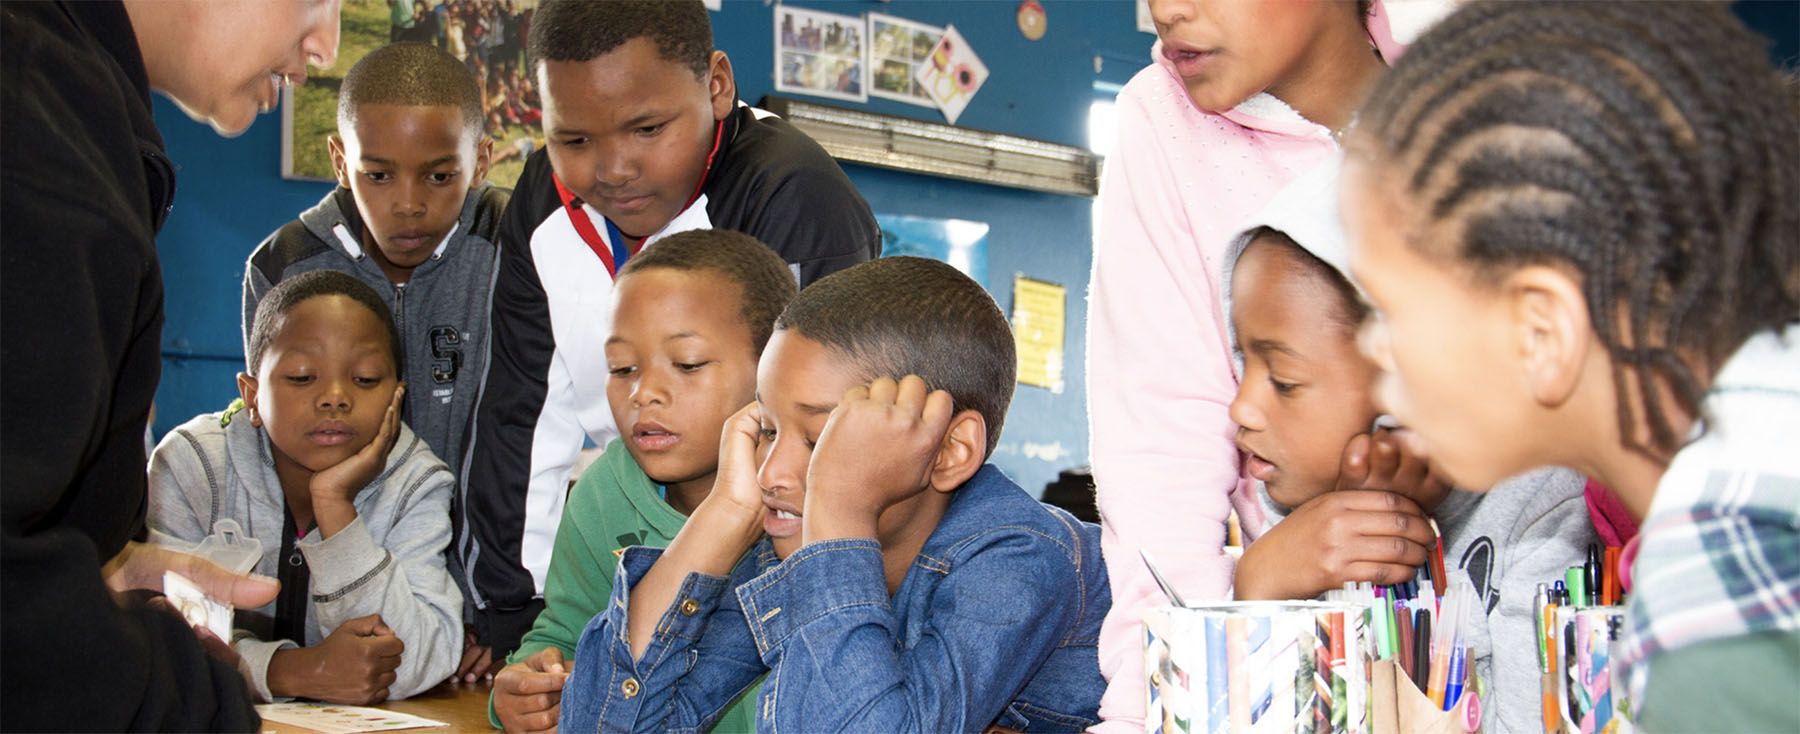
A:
(400, 307)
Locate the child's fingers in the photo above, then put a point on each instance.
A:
(1411, 472)
(552, 659)
(390, 423)
(1385, 528)
(910, 395)
(1384, 459)
(1382, 574)
(474, 663)
(366, 626)
(937, 412)
(547, 718)
(387, 648)
(1372, 500)
(538, 684)
(881, 391)
(747, 421)
(538, 713)
(1353, 465)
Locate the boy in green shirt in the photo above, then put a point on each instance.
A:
(690, 318)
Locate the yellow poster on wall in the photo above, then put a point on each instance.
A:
(1038, 331)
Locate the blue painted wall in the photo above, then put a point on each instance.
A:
(230, 193)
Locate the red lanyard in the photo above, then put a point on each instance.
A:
(615, 252)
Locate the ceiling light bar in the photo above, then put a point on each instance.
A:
(935, 149)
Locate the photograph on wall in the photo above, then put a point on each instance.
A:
(896, 47)
(952, 74)
(820, 54)
(487, 35)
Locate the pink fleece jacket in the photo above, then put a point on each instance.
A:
(1174, 192)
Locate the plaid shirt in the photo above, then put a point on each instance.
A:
(1719, 555)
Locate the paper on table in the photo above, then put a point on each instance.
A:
(335, 719)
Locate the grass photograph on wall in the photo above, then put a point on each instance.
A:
(487, 35)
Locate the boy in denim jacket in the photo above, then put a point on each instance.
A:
(856, 547)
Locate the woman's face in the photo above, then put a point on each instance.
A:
(236, 54)
(1446, 345)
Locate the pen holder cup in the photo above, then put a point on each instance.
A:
(1256, 666)
(1399, 707)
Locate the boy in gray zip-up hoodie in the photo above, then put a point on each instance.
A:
(352, 508)
(414, 219)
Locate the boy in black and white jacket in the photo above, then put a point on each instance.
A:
(644, 137)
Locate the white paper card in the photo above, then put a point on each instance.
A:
(196, 607)
(335, 719)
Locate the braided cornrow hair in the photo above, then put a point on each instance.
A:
(1648, 146)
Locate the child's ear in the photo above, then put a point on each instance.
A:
(721, 86)
(339, 167)
(1550, 319)
(484, 157)
(247, 391)
(962, 452)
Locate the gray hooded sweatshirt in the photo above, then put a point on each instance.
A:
(1525, 531)
(389, 561)
(441, 311)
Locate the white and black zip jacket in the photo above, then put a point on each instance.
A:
(545, 391)
(441, 310)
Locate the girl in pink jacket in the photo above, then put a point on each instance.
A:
(1243, 96)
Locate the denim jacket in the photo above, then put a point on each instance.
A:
(997, 621)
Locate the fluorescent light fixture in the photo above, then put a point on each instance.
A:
(936, 149)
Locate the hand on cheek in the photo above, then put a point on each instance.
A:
(735, 487)
(1349, 535)
(1384, 461)
(335, 488)
(877, 449)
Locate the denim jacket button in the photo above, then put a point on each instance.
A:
(689, 607)
(629, 687)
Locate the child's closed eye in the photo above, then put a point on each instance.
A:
(622, 370)
(1283, 388)
(691, 366)
(300, 379)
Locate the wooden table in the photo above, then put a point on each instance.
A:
(463, 706)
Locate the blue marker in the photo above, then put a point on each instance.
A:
(1453, 691)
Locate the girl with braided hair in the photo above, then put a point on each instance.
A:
(1578, 223)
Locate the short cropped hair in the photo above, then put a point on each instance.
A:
(583, 30)
(899, 316)
(765, 283)
(413, 74)
(286, 295)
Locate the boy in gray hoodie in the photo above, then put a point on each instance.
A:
(1347, 504)
(415, 219)
(352, 508)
